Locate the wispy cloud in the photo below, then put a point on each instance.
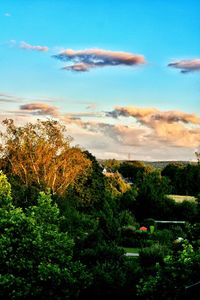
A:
(26, 46)
(9, 98)
(6, 98)
(187, 65)
(84, 60)
(91, 106)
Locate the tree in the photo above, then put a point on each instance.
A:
(40, 155)
(151, 200)
(184, 179)
(36, 259)
(180, 269)
(88, 191)
(5, 191)
(135, 169)
(112, 164)
(116, 184)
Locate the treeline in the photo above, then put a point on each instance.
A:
(183, 177)
(63, 222)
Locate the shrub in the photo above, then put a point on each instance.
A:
(149, 256)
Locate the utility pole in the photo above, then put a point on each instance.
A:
(197, 153)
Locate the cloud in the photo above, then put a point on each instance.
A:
(113, 131)
(174, 128)
(79, 67)
(9, 98)
(41, 109)
(186, 66)
(91, 106)
(53, 111)
(84, 60)
(150, 116)
(27, 46)
(149, 125)
(146, 133)
(131, 111)
(6, 98)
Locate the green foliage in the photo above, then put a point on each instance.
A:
(112, 164)
(184, 179)
(114, 275)
(131, 169)
(165, 236)
(78, 224)
(132, 237)
(150, 256)
(128, 199)
(128, 238)
(88, 191)
(23, 196)
(116, 185)
(193, 234)
(187, 211)
(36, 259)
(127, 218)
(151, 200)
(173, 171)
(5, 191)
(180, 269)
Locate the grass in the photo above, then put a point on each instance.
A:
(179, 198)
(130, 250)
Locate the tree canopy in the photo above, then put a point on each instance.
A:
(39, 154)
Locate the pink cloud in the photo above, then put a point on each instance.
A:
(84, 60)
(41, 109)
(27, 46)
(187, 65)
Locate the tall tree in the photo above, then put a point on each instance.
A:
(39, 154)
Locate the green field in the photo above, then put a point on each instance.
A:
(179, 198)
(130, 250)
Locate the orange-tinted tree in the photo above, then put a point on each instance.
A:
(40, 154)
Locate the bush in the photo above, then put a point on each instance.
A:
(178, 270)
(36, 259)
(149, 256)
(164, 236)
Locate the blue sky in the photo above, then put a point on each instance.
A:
(162, 32)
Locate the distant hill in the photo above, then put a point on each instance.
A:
(155, 164)
(162, 164)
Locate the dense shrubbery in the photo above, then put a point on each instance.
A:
(36, 259)
(178, 270)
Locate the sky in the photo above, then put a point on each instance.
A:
(123, 76)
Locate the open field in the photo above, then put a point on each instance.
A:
(179, 198)
(130, 250)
